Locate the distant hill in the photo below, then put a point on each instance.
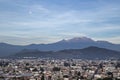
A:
(8, 49)
(86, 53)
(74, 43)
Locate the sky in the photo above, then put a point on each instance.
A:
(25, 22)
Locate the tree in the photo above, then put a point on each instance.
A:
(66, 64)
(56, 69)
(99, 79)
(43, 78)
(107, 78)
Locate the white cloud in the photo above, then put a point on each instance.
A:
(30, 12)
(37, 9)
(114, 39)
(36, 18)
(72, 34)
(28, 40)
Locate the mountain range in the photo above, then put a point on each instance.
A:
(74, 43)
(85, 53)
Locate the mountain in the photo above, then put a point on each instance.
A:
(74, 43)
(80, 39)
(8, 49)
(85, 53)
(32, 53)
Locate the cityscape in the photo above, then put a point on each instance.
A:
(56, 69)
(59, 39)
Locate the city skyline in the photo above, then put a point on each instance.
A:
(36, 21)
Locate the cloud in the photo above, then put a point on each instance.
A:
(30, 12)
(64, 18)
(69, 21)
(71, 34)
(114, 39)
(28, 40)
(23, 19)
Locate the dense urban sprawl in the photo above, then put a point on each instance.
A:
(55, 69)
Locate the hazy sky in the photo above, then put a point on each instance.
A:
(46, 21)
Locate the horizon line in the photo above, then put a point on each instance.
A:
(58, 41)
